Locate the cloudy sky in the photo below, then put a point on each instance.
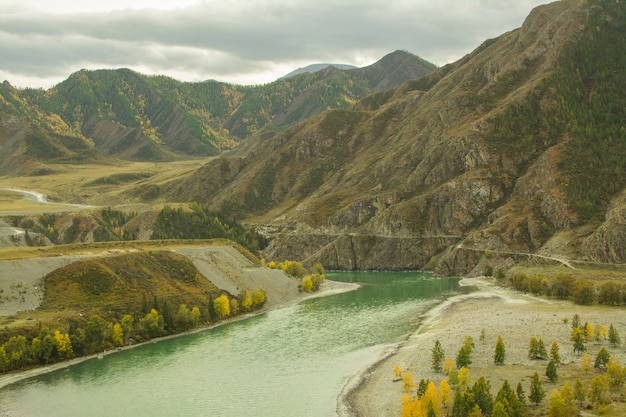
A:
(239, 41)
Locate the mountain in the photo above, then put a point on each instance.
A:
(518, 148)
(317, 67)
(123, 114)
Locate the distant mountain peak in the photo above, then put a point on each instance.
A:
(317, 67)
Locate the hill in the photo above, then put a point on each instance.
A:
(516, 148)
(123, 114)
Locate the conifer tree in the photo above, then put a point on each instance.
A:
(614, 338)
(500, 353)
(438, 356)
(602, 359)
(551, 371)
(537, 393)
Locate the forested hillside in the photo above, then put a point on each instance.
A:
(127, 115)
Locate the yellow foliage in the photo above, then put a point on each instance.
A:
(222, 306)
(307, 284)
(397, 371)
(408, 383)
(448, 364)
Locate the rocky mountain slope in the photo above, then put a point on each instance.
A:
(517, 145)
(123, 114)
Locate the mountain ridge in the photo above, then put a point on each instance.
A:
(478, 154)
(126, 115)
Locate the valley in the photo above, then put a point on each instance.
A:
(131, 204)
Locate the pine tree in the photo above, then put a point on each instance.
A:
(521, 394)
(463, 358)
(537, 393)
(551, 371)
(500, 353)
(602, 359)
(614, 338)
(437, 355)
(481, 391)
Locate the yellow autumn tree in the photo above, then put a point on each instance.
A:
(585, 363)
(408, 383)
(307, 284)
(430, 402)
(222, 306)
(64, 344)
(397, 371)
(117, 335)
(448, 364)
(445, 393)
(465, 379)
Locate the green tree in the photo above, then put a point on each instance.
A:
(438, 356)
(521, 395)
(95, 332)
(583, 292)
(481, 391)
(500, 352)
(421, 387)
(614, 338)
(463, 358)
(537, 393)
(211, 309)
(551, 371)
(602, 359)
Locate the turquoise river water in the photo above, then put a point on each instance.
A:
(289, 362)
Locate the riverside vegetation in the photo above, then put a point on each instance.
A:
(457, 395)
(109, 302)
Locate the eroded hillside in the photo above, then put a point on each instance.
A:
(491, 152)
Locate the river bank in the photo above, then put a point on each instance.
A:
(328, 288)
(501, 312)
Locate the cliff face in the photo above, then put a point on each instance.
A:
(476, 155)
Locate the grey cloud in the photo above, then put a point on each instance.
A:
(219, 42)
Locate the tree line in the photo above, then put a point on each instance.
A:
(96, 334)
(310, 282)
(565, 287)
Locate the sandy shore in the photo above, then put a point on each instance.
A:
(513, 315)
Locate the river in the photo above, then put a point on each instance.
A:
(289, 362)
